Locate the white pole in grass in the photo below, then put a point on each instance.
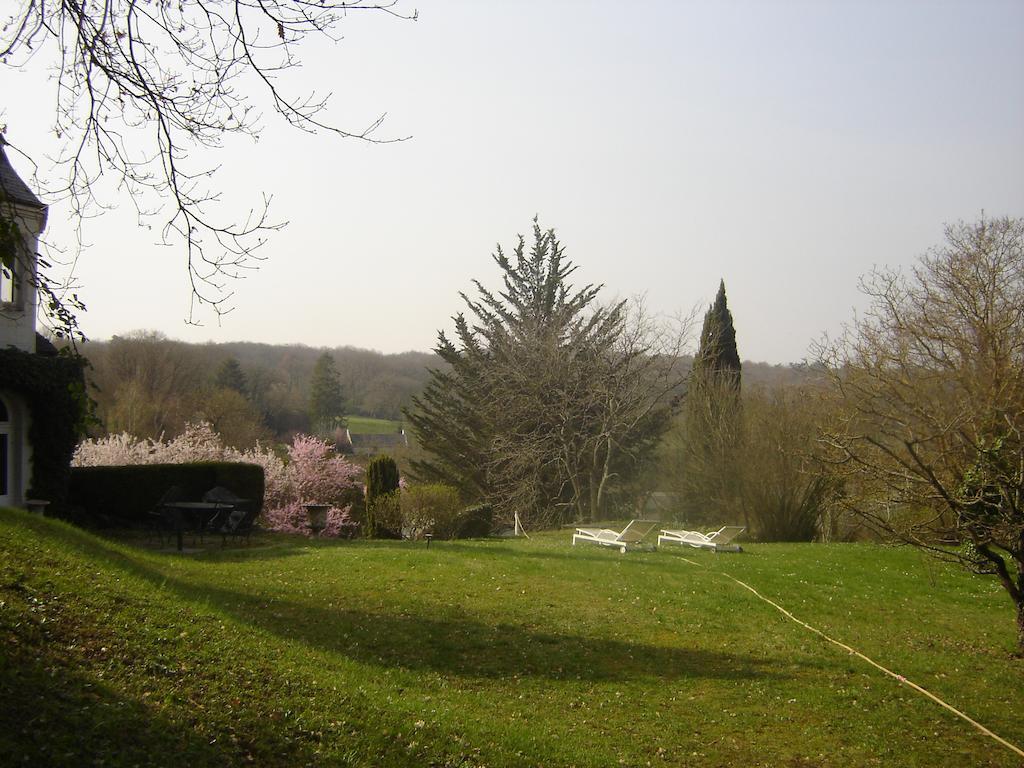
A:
(519, 530)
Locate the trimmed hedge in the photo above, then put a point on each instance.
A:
(125, 494)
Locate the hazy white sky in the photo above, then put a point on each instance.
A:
(786, 147)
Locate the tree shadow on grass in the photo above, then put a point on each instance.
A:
(462, 645)
(454, 643)
(55, 714)
(119, 547)
(467, 647)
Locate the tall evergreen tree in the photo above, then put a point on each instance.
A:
(382, 477)
(529, 415)
(717, 358)
(230, 376)
(709, 475)
(326, 399)
(382, 481)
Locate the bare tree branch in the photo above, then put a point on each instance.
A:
(141, 84)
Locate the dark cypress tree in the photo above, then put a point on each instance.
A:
(381, 483)
(326, 400)
(710, 474)
(230, 376)
(717, 358)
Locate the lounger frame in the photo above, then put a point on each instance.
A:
(717, 541)
(629, 537)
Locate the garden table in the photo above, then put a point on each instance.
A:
(200, 511)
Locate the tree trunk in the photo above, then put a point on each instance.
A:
(1014, 589)
(1020, 628)
(1018, 593)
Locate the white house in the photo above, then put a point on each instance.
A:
(22, 220)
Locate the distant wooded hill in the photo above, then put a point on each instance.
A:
(147, 384)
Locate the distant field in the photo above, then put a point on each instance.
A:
(503, 654)
(362, 425)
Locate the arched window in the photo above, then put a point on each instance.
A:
(8, 285)
(8, 259)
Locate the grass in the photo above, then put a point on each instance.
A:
(491, 653)
(364, 425)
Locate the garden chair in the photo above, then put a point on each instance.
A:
(239, 523)
(238, 520)
(718, 541)
(158, 516)
(629, 537)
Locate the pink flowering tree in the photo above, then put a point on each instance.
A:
(315, 474)
(312, 474)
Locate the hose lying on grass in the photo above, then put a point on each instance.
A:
(872, 662)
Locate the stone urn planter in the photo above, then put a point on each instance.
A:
(317, 514)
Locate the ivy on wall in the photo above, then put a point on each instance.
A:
(54, 390)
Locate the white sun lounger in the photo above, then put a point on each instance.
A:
(630, 536)
(719, 541)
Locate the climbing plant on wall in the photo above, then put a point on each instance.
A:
(54, 389)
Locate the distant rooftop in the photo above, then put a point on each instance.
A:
(12, 188)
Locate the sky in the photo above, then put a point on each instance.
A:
(786, 148)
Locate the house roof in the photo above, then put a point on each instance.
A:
(12, 188)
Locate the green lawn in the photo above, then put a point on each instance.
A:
(364, 425)
(491, 653)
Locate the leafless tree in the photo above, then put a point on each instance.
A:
(786, 492)
(141, 85)
(576, 419)
(701, 454)
(932, 383)
(147, 385)
(627, 397)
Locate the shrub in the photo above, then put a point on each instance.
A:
(432, 509)
(381, 480)
(384, 516)
(786, 492)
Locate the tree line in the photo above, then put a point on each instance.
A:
(149, 385)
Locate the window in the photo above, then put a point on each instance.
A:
(9, 240)
(8, 285)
